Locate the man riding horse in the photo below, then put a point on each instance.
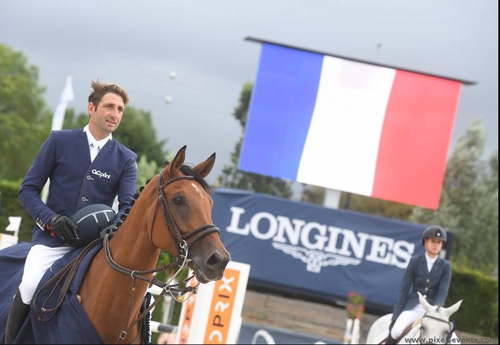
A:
(85, 166)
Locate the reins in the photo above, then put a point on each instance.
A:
(450, 325)
(67, 271)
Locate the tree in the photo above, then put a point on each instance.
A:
(146, 171)
(24, 116)
(379, 207)
(469, 202)
(232, 177)
(136, 131)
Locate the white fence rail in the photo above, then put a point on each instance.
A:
(7, 240)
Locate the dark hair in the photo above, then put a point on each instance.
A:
(100, 89)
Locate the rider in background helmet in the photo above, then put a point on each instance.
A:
(435, 232)
(427, 273)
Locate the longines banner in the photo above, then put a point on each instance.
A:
(324, 252)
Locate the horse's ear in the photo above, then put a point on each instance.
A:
(453, 308)
(205, 167)
(423, 302)
(179, 158)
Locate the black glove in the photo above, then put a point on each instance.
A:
(110, 229)
(64, 228)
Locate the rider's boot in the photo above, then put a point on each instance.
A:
(390, 340)
(17, 314)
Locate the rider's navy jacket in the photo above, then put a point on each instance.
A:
(75, 181)
(433, 285)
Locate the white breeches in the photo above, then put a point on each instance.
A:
(408, 317)
(38, 261)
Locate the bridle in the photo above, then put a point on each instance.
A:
(450, 326)
(181, 240)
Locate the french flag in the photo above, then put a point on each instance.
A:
(350, 126)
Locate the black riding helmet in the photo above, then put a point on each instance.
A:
(434, 231)
(91, 220)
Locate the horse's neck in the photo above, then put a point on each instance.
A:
(106, 293)
(132, 248)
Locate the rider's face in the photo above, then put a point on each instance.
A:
(433, 246)
(106, 117)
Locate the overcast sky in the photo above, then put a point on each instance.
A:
(138, 43)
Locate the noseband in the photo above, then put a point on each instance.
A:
(180, 239)
(450, 325)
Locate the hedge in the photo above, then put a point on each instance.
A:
(478, 313)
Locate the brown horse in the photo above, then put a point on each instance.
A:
(172, 213)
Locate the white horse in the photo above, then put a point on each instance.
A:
(433, 328)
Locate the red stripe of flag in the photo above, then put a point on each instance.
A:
(415, 139)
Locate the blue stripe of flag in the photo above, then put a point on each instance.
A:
(280, 112)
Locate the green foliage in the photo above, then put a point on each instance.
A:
(478, 313)
(20, 94)
(379, 207)
(231, 177)
(137, 132)
(313, 194)
(360, 203)
(24, 119)
(469, 203)
(147, 170)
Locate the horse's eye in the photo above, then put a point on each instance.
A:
(177, 200)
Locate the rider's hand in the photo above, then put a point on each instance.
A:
(64, 228)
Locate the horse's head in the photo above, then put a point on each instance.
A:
(185, 205)
(436, 325)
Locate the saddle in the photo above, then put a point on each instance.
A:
(56, 305)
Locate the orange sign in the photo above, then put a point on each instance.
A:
(213, 316)
(221, 309)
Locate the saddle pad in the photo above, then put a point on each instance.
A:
(70, 324)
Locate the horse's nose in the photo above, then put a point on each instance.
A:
(218, 261)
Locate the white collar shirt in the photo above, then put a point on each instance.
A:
(95, 145)
(430, 261)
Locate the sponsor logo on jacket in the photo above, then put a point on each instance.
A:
(101, 174)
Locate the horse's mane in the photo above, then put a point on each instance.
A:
(188, 170)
